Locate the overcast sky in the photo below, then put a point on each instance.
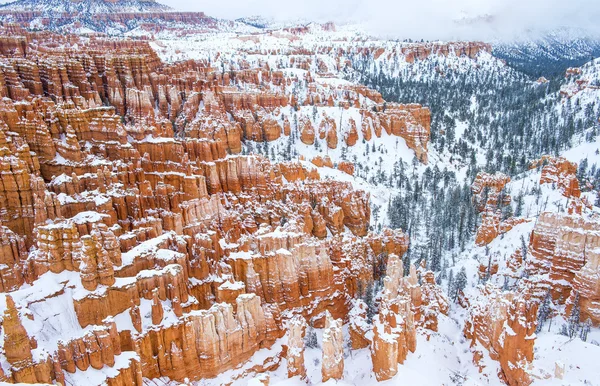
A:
(428, 19)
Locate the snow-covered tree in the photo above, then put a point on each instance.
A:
(544, 311)
(460, 283)
(573, 326)
(310, 339)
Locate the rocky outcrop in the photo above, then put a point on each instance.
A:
(18, 346)
(295, 276)
(492, 226)
(156, 284)
(489, 228)
(351, 136)
(559, 247)
(411, 122)
(224, 337)
(96, 348)
(307, 132)
(333, 350)
(295, 353)
(490, 199)
(486, 190)
(433, 302)
(346, 167)
(12, 252)
(21, 188)
(586, 284)
(394, 332)
(469, 49)
(561, 172)
(359, 327)
(504, 323)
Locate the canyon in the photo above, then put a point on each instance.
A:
(208, 202)
(124, 184)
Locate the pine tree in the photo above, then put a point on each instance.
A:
(519, 205)
(564, 330)
(460, 283)
(370, 302)
(582, 169)
(436, 259)
(585, 330)
(310, 339)
(523, 248)
(406, 264)
(573, 325)
(450, 283)
(544, 311)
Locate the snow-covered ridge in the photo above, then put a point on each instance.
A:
(132, 17)
(551, 53)
(56, 7)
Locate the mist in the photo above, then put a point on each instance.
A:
(426, 19)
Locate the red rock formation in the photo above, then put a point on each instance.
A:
(492, 226)
(433, 302)
(411, 122)
(559, 247)
(394, 333)
(346, 167)
(96, 348)
(561, 172)
(12, 253)
(488, 229)
(504, 323)
(307, 132)
(17, 348)
(295, 353)
(245, 331)
(333, 350)
(486, 190)
(358, 327)
(352, 134)
(586, 284)
(290, 277)
(18, 345)
(120, 184)
(157, 309)
(489, 198)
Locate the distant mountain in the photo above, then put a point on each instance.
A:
(551, 54)
(257, 21)
(48, 7)
(113, 17)
(269, 23)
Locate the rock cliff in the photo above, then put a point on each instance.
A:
(504, 324)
